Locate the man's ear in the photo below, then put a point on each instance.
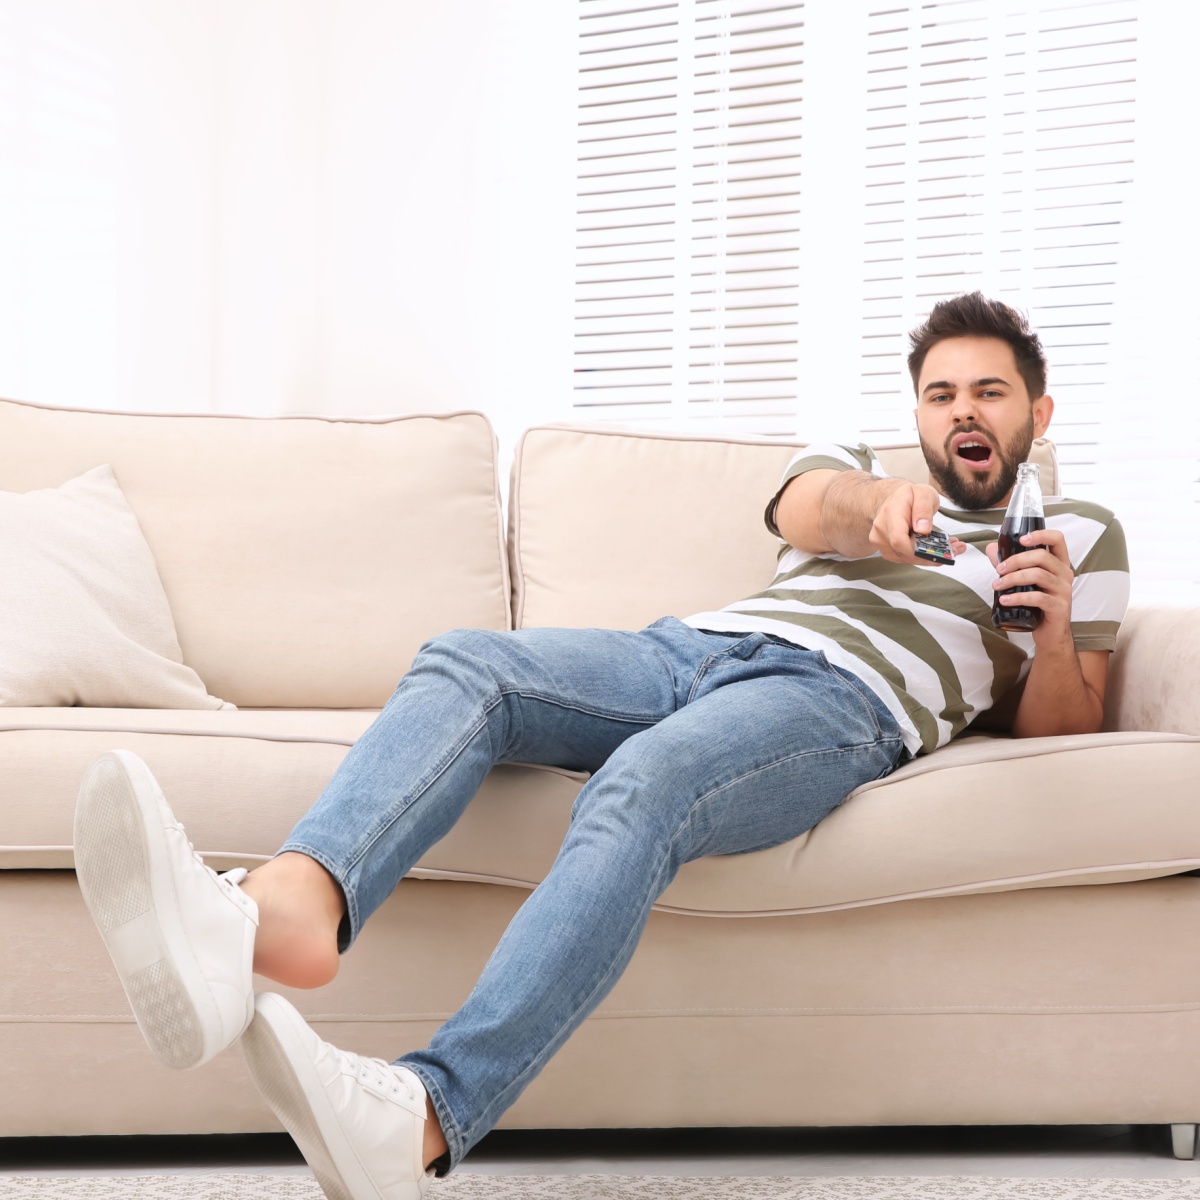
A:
(1043, 410)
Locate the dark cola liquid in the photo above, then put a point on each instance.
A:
(1016, 618)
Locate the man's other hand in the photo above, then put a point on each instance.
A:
(1046, 564)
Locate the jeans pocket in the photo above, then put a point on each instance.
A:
(885, 726)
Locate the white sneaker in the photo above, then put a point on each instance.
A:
(181, 936)
(359, 1122)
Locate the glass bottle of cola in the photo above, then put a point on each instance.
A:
(1023, 515)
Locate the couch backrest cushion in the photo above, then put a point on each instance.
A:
(615, 529)
(305, 559)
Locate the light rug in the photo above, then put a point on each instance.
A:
(229, 1186)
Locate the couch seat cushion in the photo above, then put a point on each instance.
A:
(982, 814)
(237, 779)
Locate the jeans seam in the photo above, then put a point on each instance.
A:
(454, 1140)
(519, 1079)
(864, 694)
(776, 762)
(629, 719)
(434, 773)
(420, 788)
(704, 669)
(892, 742)
(665, 658)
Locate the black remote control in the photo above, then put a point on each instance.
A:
(934, 547)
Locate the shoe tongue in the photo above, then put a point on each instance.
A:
(236, 876)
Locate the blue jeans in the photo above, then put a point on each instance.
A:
(697, 743)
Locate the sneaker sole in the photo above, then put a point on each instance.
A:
(121, 863)
(284, 1074)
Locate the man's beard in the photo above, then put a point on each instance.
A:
(977, 491)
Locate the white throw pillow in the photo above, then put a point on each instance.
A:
(83, 615)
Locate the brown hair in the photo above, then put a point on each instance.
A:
(973, 315)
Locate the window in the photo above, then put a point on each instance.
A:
(772, 195)
(999, 151)
(687, 226)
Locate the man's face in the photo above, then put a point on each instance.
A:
(970, 391)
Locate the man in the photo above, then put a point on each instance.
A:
(729, 732)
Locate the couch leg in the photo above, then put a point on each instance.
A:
(1183, 1140)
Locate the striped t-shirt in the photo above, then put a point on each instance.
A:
(921, 637)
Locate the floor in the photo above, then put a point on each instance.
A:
(1088, 1151)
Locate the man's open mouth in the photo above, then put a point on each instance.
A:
(977, 454)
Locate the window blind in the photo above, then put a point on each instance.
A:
(771, 196)
(999, 156)
(689, 174)
(994, 149)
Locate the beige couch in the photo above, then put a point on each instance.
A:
(998, 933)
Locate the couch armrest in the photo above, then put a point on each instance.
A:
(1154, 675)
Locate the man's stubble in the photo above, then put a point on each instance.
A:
(980, 491)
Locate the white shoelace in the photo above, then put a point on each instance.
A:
(375, 1073)
(233, 878)
(195, 853)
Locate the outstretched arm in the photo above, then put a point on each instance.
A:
(854, 514)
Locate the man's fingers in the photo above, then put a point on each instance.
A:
(899, 536)
(923, 513)
(1053, 540)
(906, 511)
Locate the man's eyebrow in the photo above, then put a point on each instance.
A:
(946, 385)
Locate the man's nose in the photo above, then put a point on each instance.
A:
(964, 408)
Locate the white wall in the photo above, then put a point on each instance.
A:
(1148, 468)
(106, 220)
(287, 205)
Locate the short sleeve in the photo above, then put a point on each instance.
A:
(1100, 591)
(822, 456)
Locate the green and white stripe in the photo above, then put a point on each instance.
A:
(921, 636)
